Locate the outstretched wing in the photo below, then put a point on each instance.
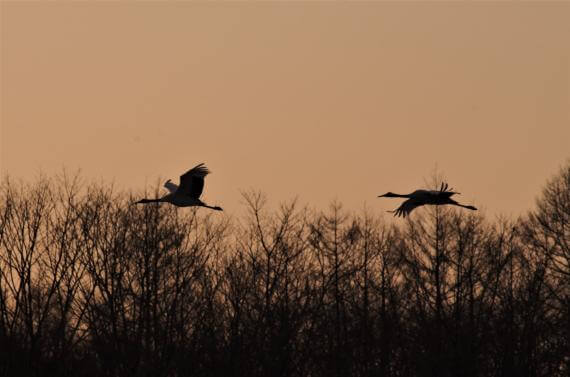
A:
(171, 186)
(192, 182)
(444, 192)
(406, 207)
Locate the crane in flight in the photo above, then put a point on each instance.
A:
(422, 197)
(189, 191)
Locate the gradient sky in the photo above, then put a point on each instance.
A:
(320, 100)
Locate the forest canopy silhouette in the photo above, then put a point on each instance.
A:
(91, 285)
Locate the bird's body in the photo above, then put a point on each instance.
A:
(189, 191)
(423, 197)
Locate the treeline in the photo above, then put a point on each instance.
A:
(91, 285)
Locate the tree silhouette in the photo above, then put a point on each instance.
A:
(91, 285)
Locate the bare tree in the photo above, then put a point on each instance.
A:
(91, 285)
(39, 251)
(547, 232)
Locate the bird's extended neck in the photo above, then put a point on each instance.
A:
(392, 195)
(149, 201)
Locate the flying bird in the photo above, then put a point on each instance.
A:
(189, 191)
(421, 197)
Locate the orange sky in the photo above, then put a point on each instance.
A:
(324, 100)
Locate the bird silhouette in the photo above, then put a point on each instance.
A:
(189, 191)
(422, 197)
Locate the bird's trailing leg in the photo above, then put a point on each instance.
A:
(453, 202)
(213, 207)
